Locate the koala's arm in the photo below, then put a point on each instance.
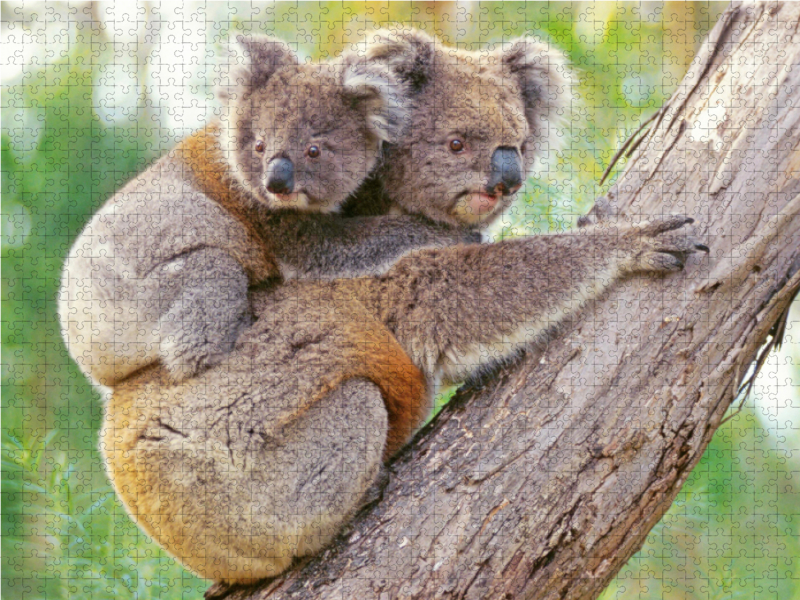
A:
(203, 308)
(324, 246)
(458, 310)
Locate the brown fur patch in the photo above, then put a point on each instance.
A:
(202, 155)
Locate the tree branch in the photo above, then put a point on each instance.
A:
(543, 481)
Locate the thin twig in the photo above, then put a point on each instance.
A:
(628, 143)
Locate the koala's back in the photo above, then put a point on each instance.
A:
(109, 301)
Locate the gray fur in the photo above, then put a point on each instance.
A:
(123, 302)
(200, 324)
(250, 425)
(413, 299)
(347, 107)
(330, 247)
(125, 270)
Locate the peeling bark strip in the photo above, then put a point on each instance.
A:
(543, 483)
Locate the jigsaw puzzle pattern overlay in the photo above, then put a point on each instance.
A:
(94, 94)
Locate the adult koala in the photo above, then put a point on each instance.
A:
(265, 457)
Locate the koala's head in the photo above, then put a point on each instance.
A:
(477, 123)
(306, 135)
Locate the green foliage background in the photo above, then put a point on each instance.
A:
(733, 531)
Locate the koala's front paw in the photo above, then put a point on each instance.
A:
(660, 245)
(188, 348)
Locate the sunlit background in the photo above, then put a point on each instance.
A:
(92, 93)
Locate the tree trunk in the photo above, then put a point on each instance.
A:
(544, 481)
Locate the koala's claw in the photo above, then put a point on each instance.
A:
(662, 262)
(661, 247)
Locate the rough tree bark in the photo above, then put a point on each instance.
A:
(544, 482)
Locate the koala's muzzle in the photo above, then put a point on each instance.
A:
(280, 176)
(506, 174)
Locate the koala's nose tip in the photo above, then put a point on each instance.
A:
(506, 172)
(280, 176)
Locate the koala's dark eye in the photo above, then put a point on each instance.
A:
(313, 151)
(456, 146)
(260, 146)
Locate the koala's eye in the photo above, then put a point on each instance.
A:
(260, 146)
(313, 151)
(456, 146)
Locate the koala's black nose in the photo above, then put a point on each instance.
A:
(280, 176)
(506, 173)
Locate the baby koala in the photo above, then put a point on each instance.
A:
(162, 270)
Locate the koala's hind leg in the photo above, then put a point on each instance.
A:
(206, 310)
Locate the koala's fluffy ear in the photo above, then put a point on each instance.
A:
(376, 89)
(265, 56)
(543, 76)
(409, 53)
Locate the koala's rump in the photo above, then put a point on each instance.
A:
(264, 457)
